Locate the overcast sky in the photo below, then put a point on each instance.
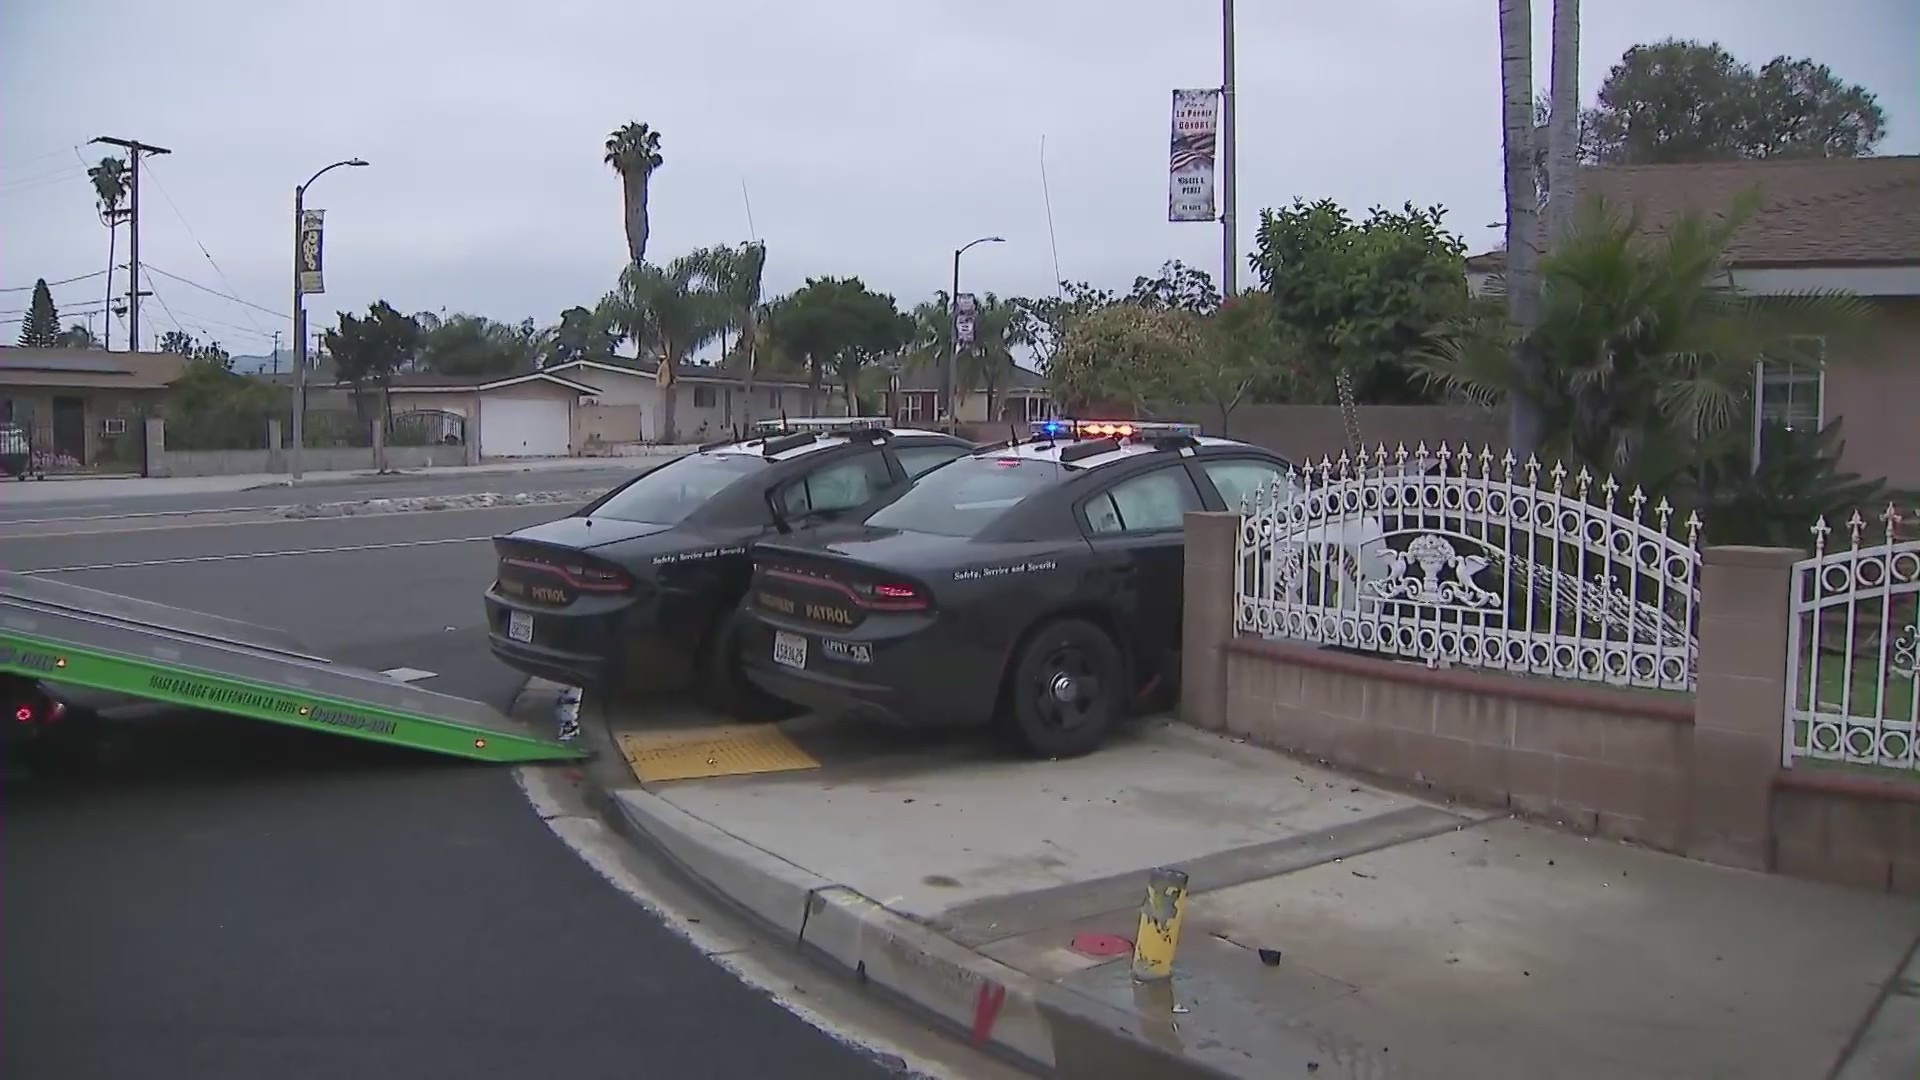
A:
(872, 136)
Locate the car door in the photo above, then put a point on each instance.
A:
(1136, 528)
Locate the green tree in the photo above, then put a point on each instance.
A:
(839, 324)
(41, 328)
(581, 334)
(76, 336)
(675, 309)
(184, 344)
(1050, 317)
(1684, 101)
(1177, 286)
(633, 150)
(1242, 344)
(475, 345)
(211, 408)
(1125, 357)
(370, 349)
(999, 327)
(1647, 354)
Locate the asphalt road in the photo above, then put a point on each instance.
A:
(82, 506)
(229, 899)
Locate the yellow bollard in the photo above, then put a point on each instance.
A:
(1160, 915)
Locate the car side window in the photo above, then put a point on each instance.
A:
(919, 460)
(842, 485)
(1153, 502)
(1244, 481)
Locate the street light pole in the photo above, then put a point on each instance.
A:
(1229, 218)
(953, 323)
(300, 322)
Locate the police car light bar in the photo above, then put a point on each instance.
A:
(819, 424)
(1111, 429)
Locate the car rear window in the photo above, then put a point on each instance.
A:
(964, 497)
(669, 493)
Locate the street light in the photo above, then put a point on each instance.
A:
(300, 319)
(953, 321)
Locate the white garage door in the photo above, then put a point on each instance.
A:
(518, 427)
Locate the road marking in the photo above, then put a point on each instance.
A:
(250, 555)
(407, 674)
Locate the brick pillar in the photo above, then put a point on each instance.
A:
(471, 430)
(156, 455)
(276, 450)
(1740, 703)
(1207, 618)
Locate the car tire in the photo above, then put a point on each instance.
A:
(1067, 690)
(725, 688)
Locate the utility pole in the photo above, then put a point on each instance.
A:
(953, 328)
(300, 321)
(134, 149)
(276, 352)
(1229, 219)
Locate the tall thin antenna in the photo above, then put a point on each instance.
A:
(1046, 194)
(752, 233)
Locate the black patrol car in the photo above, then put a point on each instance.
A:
(1037, 583)
(639, 589)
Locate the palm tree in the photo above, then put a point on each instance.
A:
(675, 309)
(1523, 208)
(110, 185)
(738, 275)
(634, 152)
(1648, 352)
(998, 328)
(1563, 120)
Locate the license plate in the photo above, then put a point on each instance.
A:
(789, 649)
(520, 626)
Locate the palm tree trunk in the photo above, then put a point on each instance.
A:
(669, 393)
(750, 326)
(1563, 131)
(1523, 213)
(1349, 409)
(634, 192)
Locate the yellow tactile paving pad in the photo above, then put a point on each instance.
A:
(703, 753)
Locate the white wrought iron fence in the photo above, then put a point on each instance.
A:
(1453, 557)
(1852, 693)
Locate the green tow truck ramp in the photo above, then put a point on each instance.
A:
(63, 634)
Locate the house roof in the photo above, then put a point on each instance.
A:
(415, 383)
(920, 379)
(89, 368)
(1812, 212)
(694, 373)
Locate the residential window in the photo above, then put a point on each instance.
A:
(1039, 408)
(1791, 387)
(910, 407)
(703, 397)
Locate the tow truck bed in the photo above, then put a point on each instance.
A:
(63, 634)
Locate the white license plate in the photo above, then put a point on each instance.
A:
(520, 626)
(789, 649)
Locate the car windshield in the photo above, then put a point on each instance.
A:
(669, 493)
(963, 497)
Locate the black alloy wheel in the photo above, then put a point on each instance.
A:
(1067, 690)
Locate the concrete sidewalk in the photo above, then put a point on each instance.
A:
(1335, 929)
(75, 488)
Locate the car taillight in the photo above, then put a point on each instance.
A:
(596, 578)
(23, 714)
(894, 596)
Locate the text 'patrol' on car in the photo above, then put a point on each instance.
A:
(1037, 583)
(639, 589)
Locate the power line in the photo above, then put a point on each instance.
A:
(163, 306)
(196, 243)
(216, 292)
(71, 307)
(51, 284)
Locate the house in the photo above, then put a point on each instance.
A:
(918, 394)
(518, 415)
(1841, 224)
(627, 403)
(82, 408)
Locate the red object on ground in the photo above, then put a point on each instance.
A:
(1102, 945)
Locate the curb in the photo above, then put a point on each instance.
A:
(1038, 1025)
(479, 500)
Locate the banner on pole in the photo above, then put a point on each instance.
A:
(312, 280)
(965, 307)
(1196, 132)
